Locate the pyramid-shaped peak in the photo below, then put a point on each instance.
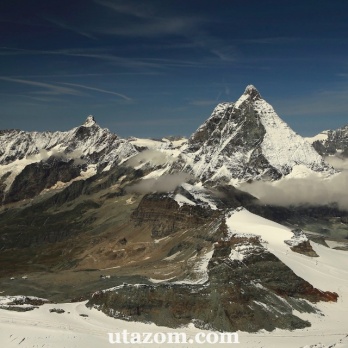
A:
(90, 121)
(247, 140)
(253, 92)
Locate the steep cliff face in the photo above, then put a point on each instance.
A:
(247, 140)
(36, 177)
(188, 206)
(164, 215)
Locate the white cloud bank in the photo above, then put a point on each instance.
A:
(311, 190)
(164, 183)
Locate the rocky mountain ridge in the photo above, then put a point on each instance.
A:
(332, 142)
(85, 142)
(33, 161)
(240, 142)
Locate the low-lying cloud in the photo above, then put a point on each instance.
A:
(150, 156)
(164, 183)
(311, 190)
(44, 155)
(338, 163)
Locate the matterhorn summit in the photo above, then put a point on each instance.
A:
(90, 121)
(252, 92)
(247, 140)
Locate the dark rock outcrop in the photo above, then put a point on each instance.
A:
(251, 292)
(304, 248)
(37, 176)
(163, 214)
(337, 141)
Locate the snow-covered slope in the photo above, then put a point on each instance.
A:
(245, 141)
(40, 328)
(322, 137)
(321, 272)
(328, 271)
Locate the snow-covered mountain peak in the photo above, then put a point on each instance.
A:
(251, 91)
(247, 140)
(90, 121)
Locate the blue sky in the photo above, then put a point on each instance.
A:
(154, 68)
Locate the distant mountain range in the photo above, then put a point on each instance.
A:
(241, 141)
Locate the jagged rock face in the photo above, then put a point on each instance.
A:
(332, 142)
(165, 217)
(245, 141)
(247, 256)
(249, 292)
(36, 177)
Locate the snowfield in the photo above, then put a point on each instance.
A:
(328, 272)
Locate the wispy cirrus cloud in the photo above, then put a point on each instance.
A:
(277, 40)
(122, 96)
(154, 28)
(325, 102)
(45, 88)
(149, 20)
(37, 98)
(57, 89)
(219, 49)
(69, 27)
(96, 54)
(100, 54)
(151, 64)
(140, 9)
